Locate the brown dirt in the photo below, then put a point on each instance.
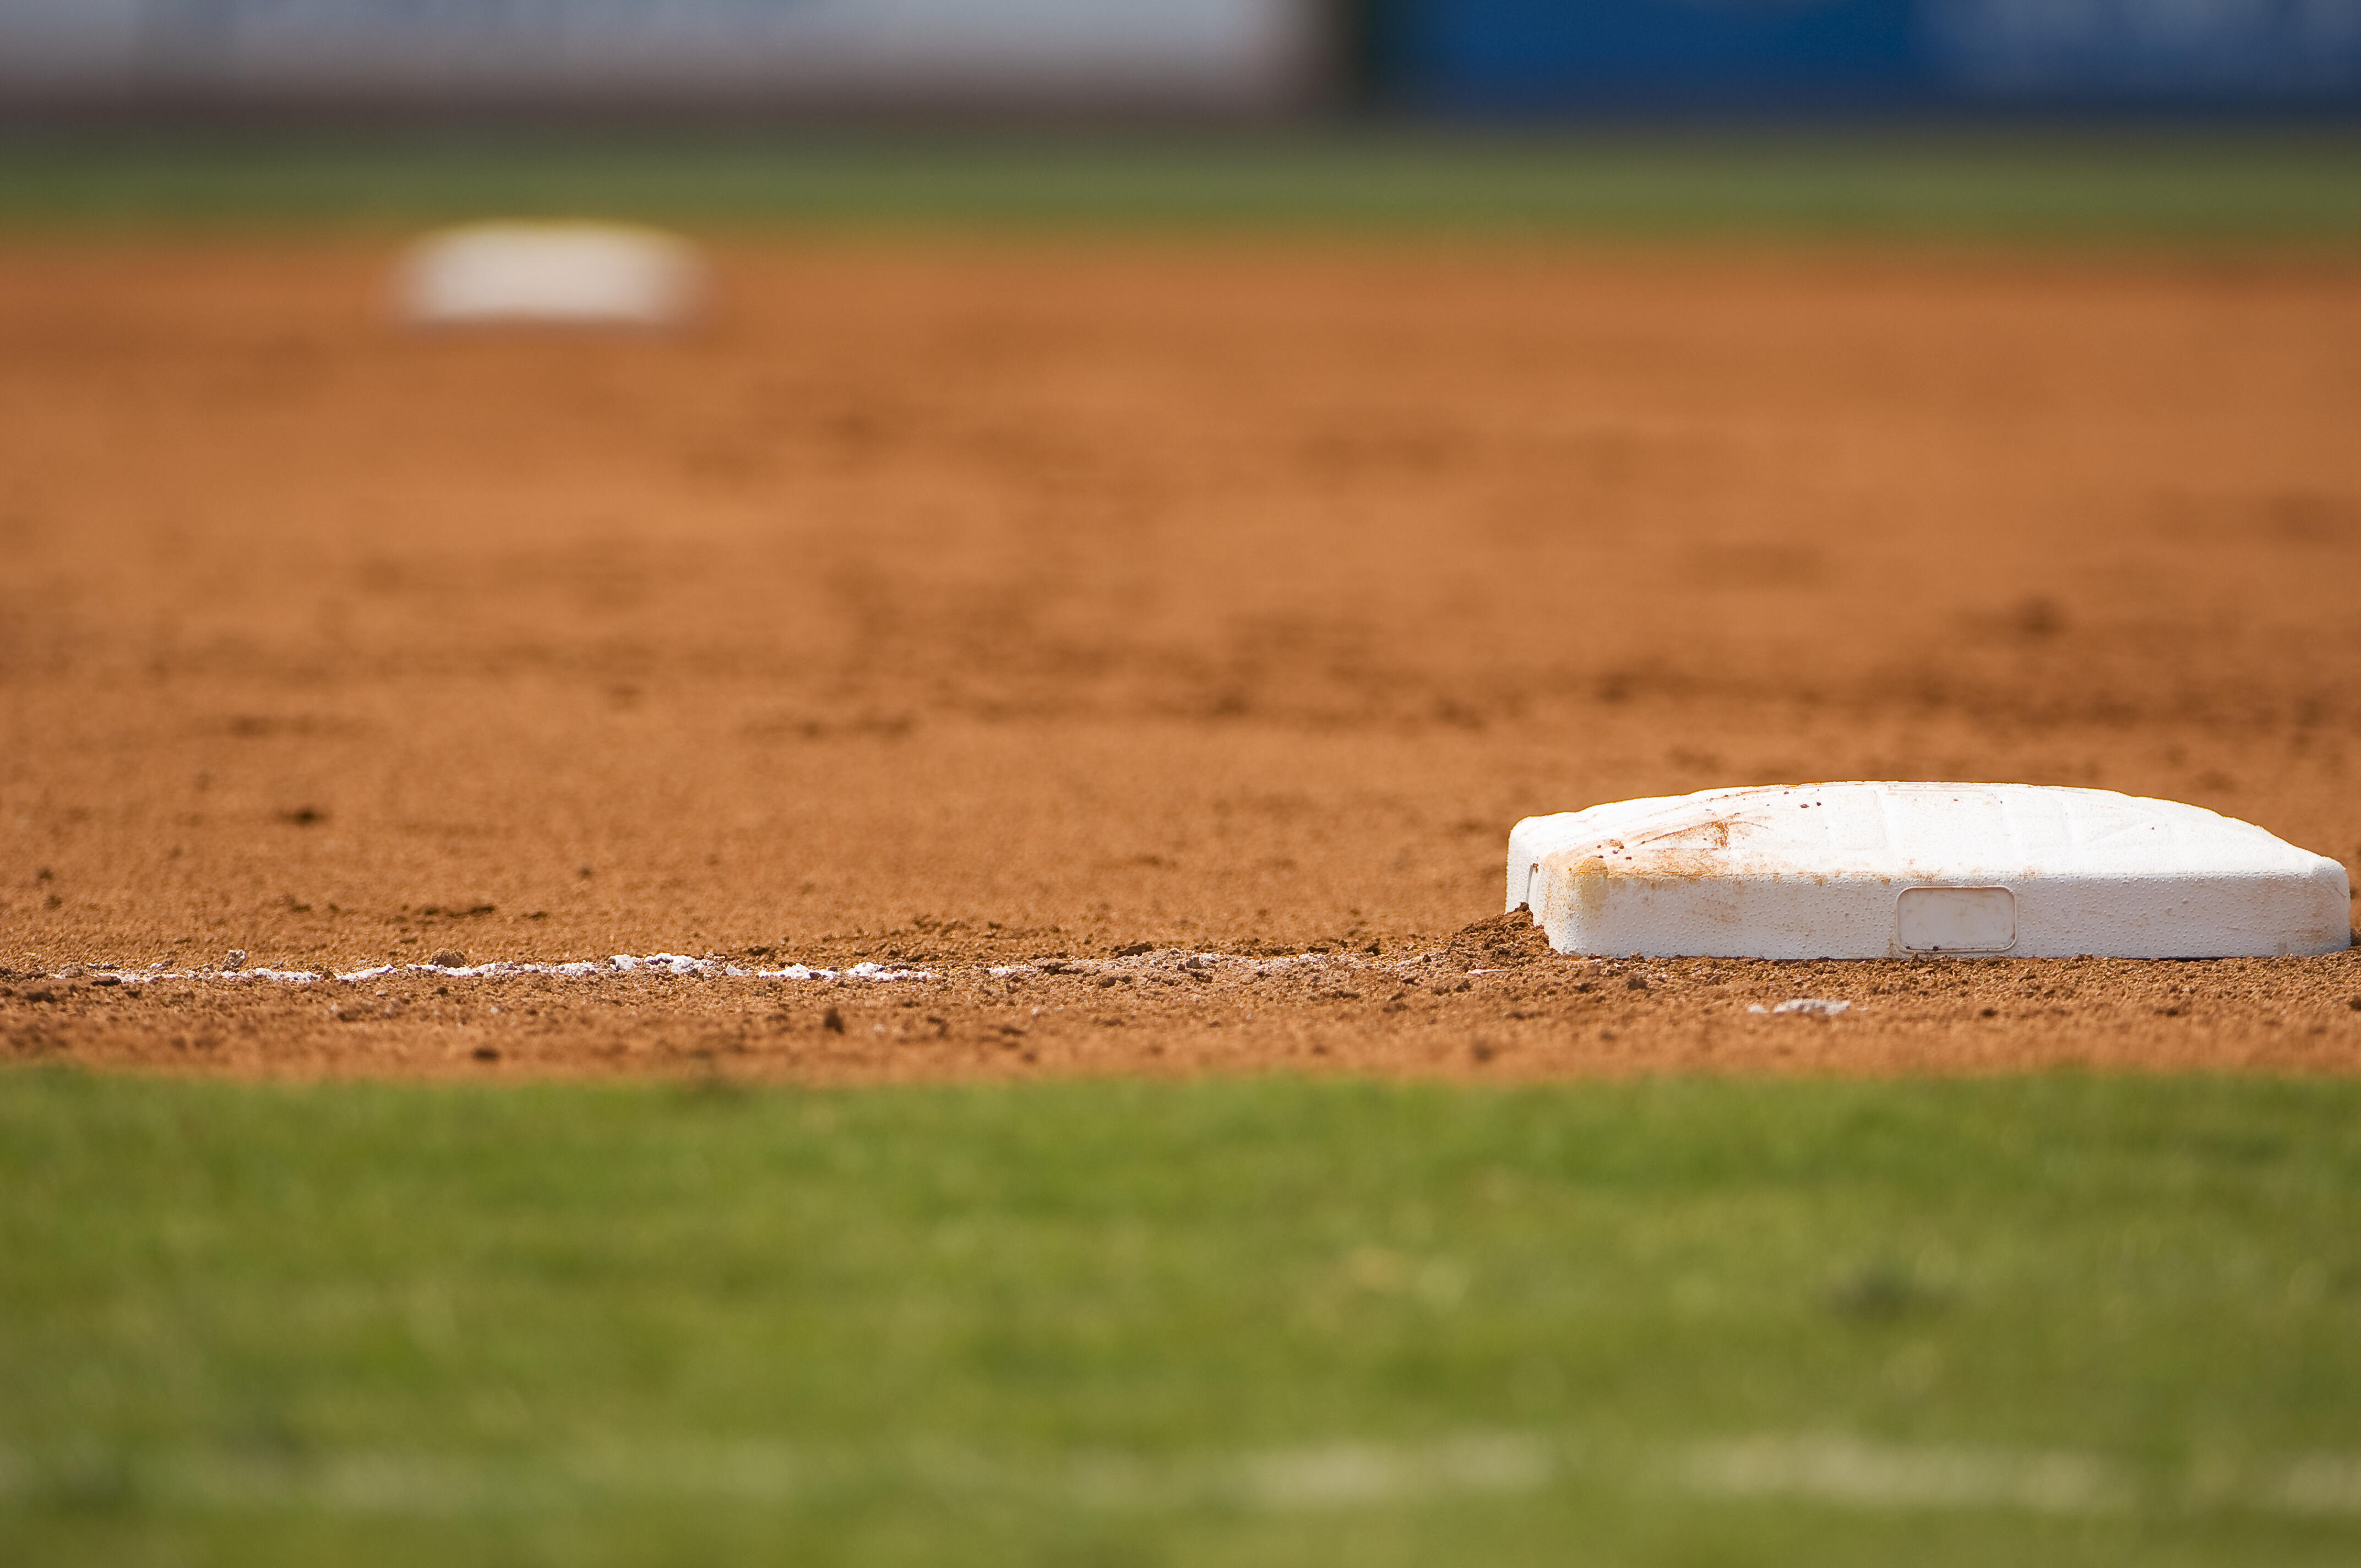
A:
(980, 603)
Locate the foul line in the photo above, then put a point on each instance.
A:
(235, 967)
(586, 968)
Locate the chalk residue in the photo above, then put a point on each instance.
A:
(1809, 1006)
(584, 969)
(1174, 963)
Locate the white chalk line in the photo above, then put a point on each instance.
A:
(584, 969)
(1167, 964)
(712, 968)
(1826, 1470)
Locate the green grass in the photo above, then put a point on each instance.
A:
(1871, 180)
(2058, 1320)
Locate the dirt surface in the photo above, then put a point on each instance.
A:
(974, 606)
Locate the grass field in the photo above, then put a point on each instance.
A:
(1870, 180)
(2044, 1319)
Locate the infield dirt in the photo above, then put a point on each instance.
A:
(1016, 603)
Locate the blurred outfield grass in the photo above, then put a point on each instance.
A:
(2009, 183)
(2058, 1320)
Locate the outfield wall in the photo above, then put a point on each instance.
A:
(1203, 55)
(1450, 57)
(1513, 57)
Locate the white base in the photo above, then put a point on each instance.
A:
(1874, 870)
(559, 273)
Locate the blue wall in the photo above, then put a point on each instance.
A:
(1525, 57)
